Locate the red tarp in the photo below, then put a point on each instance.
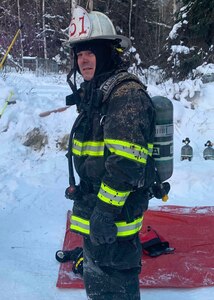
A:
(188, 229)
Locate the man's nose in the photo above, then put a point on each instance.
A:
(85, 58)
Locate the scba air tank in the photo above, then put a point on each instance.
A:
(163, 143)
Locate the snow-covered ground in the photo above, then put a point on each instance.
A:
(32, 183)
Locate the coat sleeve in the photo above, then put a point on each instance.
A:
(128, 135)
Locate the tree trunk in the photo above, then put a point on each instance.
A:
(44, 29)
(21, 44)
(174, 9)
(130, 18)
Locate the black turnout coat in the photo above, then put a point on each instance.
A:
(111, 148)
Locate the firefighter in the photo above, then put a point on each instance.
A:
(110, 147)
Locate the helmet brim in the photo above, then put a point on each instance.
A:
(123, 41)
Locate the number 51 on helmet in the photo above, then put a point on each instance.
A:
(94, 25)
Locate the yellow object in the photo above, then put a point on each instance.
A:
(79, 261)
(124, 229)
(9, 48)
(6, 103)
(165, 198)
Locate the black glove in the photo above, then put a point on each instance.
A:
(160, 190)
(73, 193)
(102, 227)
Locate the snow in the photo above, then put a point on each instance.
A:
(179, 49)
(173, 33)
(32, 183)
(205, 69)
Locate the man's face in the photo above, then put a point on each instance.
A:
(87, 64)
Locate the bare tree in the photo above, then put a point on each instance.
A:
(130, 17)
(146, 22)
(44, 29)
(20, 25)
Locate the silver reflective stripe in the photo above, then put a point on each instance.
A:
(88, 149)
(128, 150)
(125, 229)
(165, 158)
(166, 143)
(79, 224)
(112, 196)
(91, 148)
(82, 226)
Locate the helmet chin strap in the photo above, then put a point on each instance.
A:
(73, 5)
(89, 5)
(72, 72)
(72, 85)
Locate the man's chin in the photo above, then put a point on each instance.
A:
(88, 76)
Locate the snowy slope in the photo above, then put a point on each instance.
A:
(32, 204)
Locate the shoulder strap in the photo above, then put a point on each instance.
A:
(113, 81)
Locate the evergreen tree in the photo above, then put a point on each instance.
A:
(191, 41)
(200, 14)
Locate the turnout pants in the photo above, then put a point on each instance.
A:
(109, 277)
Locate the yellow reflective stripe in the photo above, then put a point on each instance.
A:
(122, 148)
(78, 262)
(91, 148)
(79, 224)
(123, 229)
(112, 196)
(150, 149)
(128, 150)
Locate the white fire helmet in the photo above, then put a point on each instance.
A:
(94, 25)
